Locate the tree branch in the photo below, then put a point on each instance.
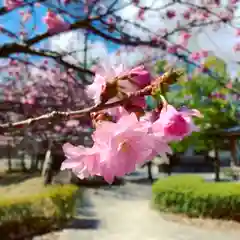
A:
(58, 115)
(9, 49)
(82, 24)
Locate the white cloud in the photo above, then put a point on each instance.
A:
(220, 42)
(74, 42)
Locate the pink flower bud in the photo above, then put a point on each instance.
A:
(11, 4)
(55, 23)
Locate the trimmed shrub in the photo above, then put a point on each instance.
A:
(35, 214)
(195, 197)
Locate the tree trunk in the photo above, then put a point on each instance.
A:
(48, 177)
(34, 162)
(22, 163)
(9, 159)
(169, 169)
(216, 163)
(47, 172)
(233, 147)
(149, 169)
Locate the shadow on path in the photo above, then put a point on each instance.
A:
(84, 223)
(128, 192)
(142, 181)
(86, 214)
(7, 179)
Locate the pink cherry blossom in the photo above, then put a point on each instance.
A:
(72, 123)
(95, 89)
(140, 78)
(57, 128)
(125, 140)
(196, 56)
(130, 144)
(83, 161)
(135, 2)
(204, 53)
(173, 48)
(151, 116)
(174, 125)
(229, 85)
(138, 101)
(187, 15)
(236, 47)
(152, 144)
(184, 38)
(118, 148)
(170, 14)
(159, 145)
(141, 13)
(55, 23)
(11, 4)
(66, 2)
(238, 32)
(117, 112)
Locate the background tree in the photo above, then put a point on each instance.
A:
(196, 89)
(43, 77)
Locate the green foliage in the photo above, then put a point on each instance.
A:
(217, 65)
(196, 92)
(35, 213)
(193, 196)
(160, 66)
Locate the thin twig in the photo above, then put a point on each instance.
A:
(59, 115)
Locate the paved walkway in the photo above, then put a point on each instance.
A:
(123, 213)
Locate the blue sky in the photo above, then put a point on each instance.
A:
(221, 42)
(11, 21)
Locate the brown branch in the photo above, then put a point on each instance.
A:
(87, 24)
(58, 115)
(82, 24)
(4, 10)
(9, 49)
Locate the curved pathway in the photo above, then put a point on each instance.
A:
(123, 213)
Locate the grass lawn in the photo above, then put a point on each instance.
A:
(20, 184)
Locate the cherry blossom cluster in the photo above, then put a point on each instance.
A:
(40, 90)
(192, 15)
(126, 135)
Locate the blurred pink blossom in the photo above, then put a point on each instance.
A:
(118, 148)
(55, 22)
(11, 4)
(174, 125)
(139, 77)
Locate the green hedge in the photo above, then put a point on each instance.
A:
(195, 197)
(35, 214)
